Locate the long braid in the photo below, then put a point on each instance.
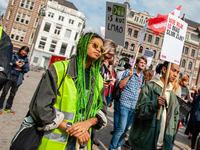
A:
(81, 85)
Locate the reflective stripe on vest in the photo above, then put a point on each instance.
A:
(58, 138)
(1, 31)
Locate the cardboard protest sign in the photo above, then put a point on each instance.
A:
(184, 108)
(116, 22)
(131, 62)
(149, 56)
(174, 39)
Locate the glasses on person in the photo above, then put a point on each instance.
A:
(96, 45)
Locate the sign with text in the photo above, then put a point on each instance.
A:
(184, 108)
(149, 56)
(116, 22)
(174, 39)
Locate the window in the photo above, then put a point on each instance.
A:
(22, 36)
(183, 49)
(50, 14)
(31, 38)
(53, 46)
(136, 19)
(22, 18)
(9, 14)
(36, 22)
(190, 65)
(47, 27)
(186, 50)
(35, 59)
(195, 74)
(67, 33)
(71, 21)
(79, 24)
(63, 49)
(187, 37)
(162, 42)
(76, 35)
(141, 21)
(145, 36)
(159, 55)
(27, 19)
(18, 16)
(193, 53)
(42, 42)
(32, 5)
(199, 53)
(129, 31)
(126, 45)
(135, 34)
(27, 4)
(154, 55)
(72, 50)
(13, 32)
(22, 3)
(141, 49)
(149, 38)
(157, 40)
(132, 47)
(183, 63)
(61, 18)
(57, 30)
(180, 76)
(197, 64)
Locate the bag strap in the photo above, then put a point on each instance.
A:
(64, 75)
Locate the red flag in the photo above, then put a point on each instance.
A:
(158, 24)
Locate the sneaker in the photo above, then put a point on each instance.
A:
(10, 111)
(126, 144)
(119, 148)
(0, 111)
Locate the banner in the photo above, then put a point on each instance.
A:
(116, 22)
(149, 56)
(55, 58)
(173, 40)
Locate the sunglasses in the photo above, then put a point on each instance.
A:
(96, 45)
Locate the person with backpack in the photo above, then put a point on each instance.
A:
(132, 82)
(69, 101)
(20, 66)
(6, 48)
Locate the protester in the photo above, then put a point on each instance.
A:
(147, 132)
(69, 100)
(184, 89)
(147, 75)
(19, 68)
(196, 119)
(192, 92)
(116, 102)
(6, 48)
(132, 82)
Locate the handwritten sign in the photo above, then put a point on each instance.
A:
(184, 108)
(116, 22)
(174, 39)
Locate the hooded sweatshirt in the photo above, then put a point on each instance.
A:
(157, 80)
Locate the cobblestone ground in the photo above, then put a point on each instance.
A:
(9, 124)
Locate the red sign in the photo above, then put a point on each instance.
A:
(55, 58)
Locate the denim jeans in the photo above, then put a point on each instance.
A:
(125, 115)
(108, 98)
(116, 114)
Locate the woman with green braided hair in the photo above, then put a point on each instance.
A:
(69, 101)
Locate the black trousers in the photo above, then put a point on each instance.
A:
(195, 132)
(12, 83)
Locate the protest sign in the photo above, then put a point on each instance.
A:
(116, 22)
(131, 62)
(184, 108)
(149, 56)
(174, 39)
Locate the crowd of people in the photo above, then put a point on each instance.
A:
(71, 100)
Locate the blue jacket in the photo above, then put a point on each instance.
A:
(196, 109)
(22, 70)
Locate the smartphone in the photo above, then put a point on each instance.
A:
(108, 80)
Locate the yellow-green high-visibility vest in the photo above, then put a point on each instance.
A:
(66, 103)
(1, 31)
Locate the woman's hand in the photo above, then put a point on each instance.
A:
(79, 128)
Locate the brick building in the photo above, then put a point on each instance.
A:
(21, 20)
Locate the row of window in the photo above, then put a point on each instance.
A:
(183, 62)
(142, 19)
(186, 49)
(52, 47)
(22, 18)
(57, 30)
(17, 35)
(27, 4)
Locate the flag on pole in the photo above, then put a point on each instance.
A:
(158, 24)
(143, 33)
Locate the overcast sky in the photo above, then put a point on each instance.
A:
(94, 10)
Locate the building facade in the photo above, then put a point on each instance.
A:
(20, 21)
(59, 32)
(135, 23)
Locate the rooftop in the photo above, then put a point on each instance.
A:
(66, 3)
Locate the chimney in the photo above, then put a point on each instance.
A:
(183, 18)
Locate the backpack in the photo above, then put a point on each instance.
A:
(6, 48)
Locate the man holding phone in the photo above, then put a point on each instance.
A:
(20, 65)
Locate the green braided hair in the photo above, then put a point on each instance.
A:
(83, 98)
